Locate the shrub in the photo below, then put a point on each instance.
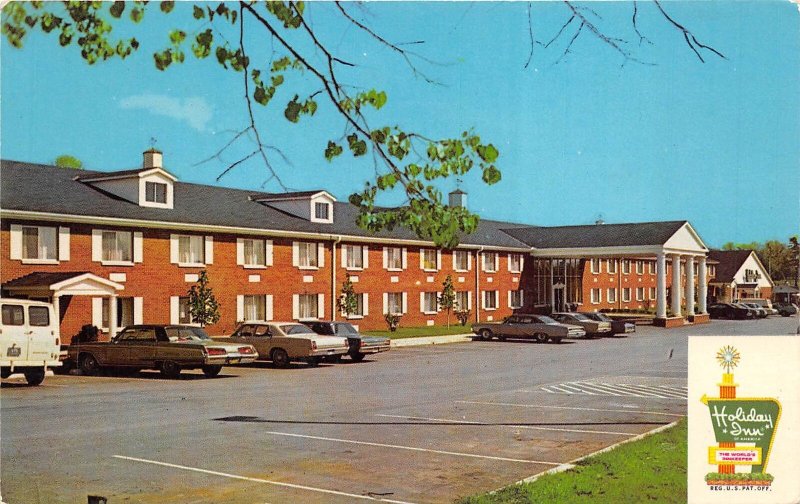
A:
(463, 316)
(392, 320)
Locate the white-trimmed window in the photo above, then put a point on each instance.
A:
(322, 211)
(191, 249)
(394, 303)
(626, 266)
(639, 293)
(354, 257)
(39, 243)
(596, 266)
(639, 267)
(596, 296)
(254, 254)
(307, 306)
(394, 258)
(184, 317)
(429, 302)
(612, 266)
(307, 255)
(255, 307)
(361, 306)
(463, 300)
(515, 299)
(651, 267)
(611, 295)
(490, 260)
(652, 292)
(626, 294)
(712, 270)
(155, 192)
(461, 260)
(489, 300)
(117, 246)
(515, 263)
(428, 259)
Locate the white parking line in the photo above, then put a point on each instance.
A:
(259, 480)
(411, 448)
(632, 410)
(531, 427)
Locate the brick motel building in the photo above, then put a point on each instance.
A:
(123, 247)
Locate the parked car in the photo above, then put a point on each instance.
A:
(786, 309)
(29, 339)
(592, 327)
(617, 326)
(728, 311)
(283, 342)
(762, 303)
(751, 312)
(168, 348)
(761, 312)
(359, 346)
(538, 327)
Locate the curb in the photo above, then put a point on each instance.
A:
(432, 340)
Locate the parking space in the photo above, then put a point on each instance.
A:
(420, 424)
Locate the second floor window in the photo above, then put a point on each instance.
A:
(428, 259)
(307, 254)
(355, 256)
(254, 253)
(515, 263)
(490, 262)
(639, 267)
(394, 258)
(595, 266)
(612, 266)
(117, 246)
(39, 243)
(626, 266)
(460, 260)
(155, 192)
(191, 249)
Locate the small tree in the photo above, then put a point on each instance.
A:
(67, 161)
(447, 300)
(203, 306)
(348, 301)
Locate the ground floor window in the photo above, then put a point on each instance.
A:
(394, 303)
(515, 299)
(490, 300)
(184, 317)
(597, 296)
(255, 307)
(360, 311)
(612, 295)
(639, 293)
(626, 294)
(430, 302)
(307, 306)
(462, 300)
(652, 292)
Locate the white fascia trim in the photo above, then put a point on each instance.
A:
(694, 233)
(87, 276)
(267, 199)
(184, 226)
(598, 251)
(760, 265)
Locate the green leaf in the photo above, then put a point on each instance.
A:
(198, 13)
(488, 153)
(177, 36)
(167, 6)
(332, 151)
(136, 14)
(491, 175)
(357, 146)
(293, 109)
(117, 9)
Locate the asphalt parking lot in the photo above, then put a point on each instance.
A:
(418, 424)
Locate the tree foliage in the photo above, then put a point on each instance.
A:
(447, 298)
(348, 300)
(203, 305)
(67, 161)
(780, 259)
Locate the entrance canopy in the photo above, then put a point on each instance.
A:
(76, 283)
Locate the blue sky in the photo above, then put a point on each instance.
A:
(580, 137)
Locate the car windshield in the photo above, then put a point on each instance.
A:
(345, 329)
(178, 334)
(581, 317)
(290, 329)
(546, 320)
(601, 316)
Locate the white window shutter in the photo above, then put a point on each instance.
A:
(405, 301)
(63, 244)
(365, 303)
(483, 300)
(405, 258)
(521, 297)
(209, 250)
(509, 261)
(239, 251)
(138, 247)
(453, 256)
(268, 253)
(344, 255)
(97, 312)
(239, 307)
(469, 300)
(509, 298)
(270, 314)
(422, 302)
(97, 245)
(438, 259)
(365, 256)
(320, 255)
(385, 298)
(138, 310)
(295, 255)
(16, 241)
(469, 261)
(521, 263)
(385, 257)
(174, 309)
(321, 306)
(173, 249)
(421, 259)
(483, 261)
(295, 306)
(438, 297)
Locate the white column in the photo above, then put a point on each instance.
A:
(676, 285)
(689, 285)
(702, 285)
(112, 316)
(661, 286)
(57, 314)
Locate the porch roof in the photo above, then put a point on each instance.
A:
(67, 282)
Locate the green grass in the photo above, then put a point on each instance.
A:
(652, 469)
(416, 332)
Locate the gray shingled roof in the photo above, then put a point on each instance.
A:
(729, 263)
(44, 188)
(597, 235)
(42, 279)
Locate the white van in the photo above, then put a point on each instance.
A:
(29, 339)
(763, 303)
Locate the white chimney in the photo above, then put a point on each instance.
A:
(153, 158)
(458, 198)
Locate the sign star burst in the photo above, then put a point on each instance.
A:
(728, 357)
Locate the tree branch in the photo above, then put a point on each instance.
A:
(688, 36)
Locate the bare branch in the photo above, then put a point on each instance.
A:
(237, 163)
(217, 155)
(688, 36)
(569, 45)
(642, 38)
(560, 31)
(612, 42)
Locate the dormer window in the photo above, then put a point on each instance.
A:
(156, 192)
(314, 206)
(322, 211)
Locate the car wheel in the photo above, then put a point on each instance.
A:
(212, 371)
(34, 377)
(89, 365)
(65, 367)
(785, 314)
(333, 359)
(486, 334)
(554, 340)
(540, 337)
(170, 369)
(357, 356)
(280, 358)
(313, 361)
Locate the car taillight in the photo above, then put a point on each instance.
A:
(313, 345)
(216, 351)
(246, 350)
